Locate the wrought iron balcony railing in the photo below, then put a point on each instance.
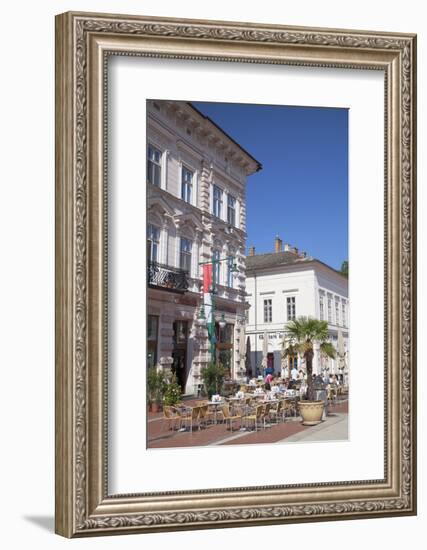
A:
(167, 277)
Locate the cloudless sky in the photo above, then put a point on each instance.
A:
(301, 193)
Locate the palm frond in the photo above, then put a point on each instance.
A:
(307, 329)
(327, 349)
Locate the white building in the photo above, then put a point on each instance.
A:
(196, 180)
(287, 284)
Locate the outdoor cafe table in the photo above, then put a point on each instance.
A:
(216, 405)
(255, 394)
(236, 401)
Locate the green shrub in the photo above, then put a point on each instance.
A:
(156, 385)
(213, 378)
(172, 394)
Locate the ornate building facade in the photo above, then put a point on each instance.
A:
(196, 180)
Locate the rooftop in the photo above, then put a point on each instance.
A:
(227, 135)
(288, 256)
(274, 259)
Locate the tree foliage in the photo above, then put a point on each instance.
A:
(213, 378)
(302, 333)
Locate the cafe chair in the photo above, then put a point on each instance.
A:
(276, 411)
(171, 416)
(205, 415)
(266, 415)
(230, 418)
(255, 417)
(191, 417)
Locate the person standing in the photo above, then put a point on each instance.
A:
(267, 381)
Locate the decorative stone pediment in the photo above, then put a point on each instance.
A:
(157, 203)
(188, 218)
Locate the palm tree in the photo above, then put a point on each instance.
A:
(302, 333)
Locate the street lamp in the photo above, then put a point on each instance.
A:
(202, 317)
(222, 323)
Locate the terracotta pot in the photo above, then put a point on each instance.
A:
(311, 412)
(155, 407)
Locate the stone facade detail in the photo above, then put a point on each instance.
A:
(187, 140)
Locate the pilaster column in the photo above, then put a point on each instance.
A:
(177, 243)
(242, 212)
(198, 253)
(204, 187)
(165, 162)
(164, 243)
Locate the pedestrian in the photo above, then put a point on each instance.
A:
(267, 381)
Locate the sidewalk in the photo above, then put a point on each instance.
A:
(334, 428)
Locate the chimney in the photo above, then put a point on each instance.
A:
(278, 244)
(290, 248)
(251, 251)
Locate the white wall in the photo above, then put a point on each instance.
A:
(27, 318)
(277, 286)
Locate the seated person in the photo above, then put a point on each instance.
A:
(267, 381)
(282, 387)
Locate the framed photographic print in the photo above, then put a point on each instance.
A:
(235, 274)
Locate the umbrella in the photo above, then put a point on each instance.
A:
(264, 350)
(340, 350)
(284, 359)
(242, 350)
(248, 357)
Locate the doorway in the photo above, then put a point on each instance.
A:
(179, 352)
(178, 367)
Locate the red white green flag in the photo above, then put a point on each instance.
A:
(207, 298)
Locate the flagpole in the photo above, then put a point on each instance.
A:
(210, 301)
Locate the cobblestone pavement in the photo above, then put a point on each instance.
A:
(334, 428)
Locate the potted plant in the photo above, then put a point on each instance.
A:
(156, 382)
(172, 393)
(302, 333)
(151, 385)
(213, 378)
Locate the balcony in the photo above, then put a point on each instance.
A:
(167, 278)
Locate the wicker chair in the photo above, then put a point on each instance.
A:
(205, 415)
(266, 415)
(191, 416)
(256, 416)
(288, 407)
(171, 415)
(332, 396)
(230, 418)
(276, 410)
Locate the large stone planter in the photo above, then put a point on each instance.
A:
(311, 412)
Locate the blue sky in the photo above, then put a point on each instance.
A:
(301, 193)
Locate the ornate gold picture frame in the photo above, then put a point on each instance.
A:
(84, 42)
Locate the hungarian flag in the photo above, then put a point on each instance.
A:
(207, 299)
